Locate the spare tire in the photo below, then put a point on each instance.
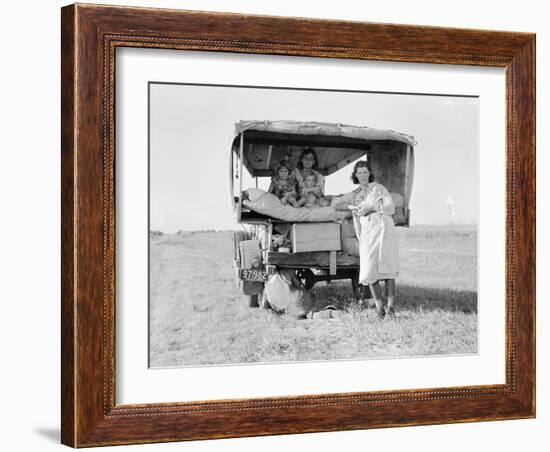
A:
(238, 237)
(250, 253)
(245, 251)
(250, 257)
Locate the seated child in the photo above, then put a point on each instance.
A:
(284, 186)
(310, 193)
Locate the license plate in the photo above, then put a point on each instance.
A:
(253, 275)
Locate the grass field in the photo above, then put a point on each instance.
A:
(198, 316)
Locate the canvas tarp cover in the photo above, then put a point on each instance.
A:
(268, 143)
(323, 128)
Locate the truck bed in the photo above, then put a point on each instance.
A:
(315, 259)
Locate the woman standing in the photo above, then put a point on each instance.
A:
(372, 207)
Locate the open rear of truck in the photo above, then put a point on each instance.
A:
(259, 147)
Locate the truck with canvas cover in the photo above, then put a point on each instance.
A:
(319, 243)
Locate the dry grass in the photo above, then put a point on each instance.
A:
(198, 316)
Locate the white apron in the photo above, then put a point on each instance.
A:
(378, 242)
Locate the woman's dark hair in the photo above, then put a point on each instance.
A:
(361, 164)
(305, 152)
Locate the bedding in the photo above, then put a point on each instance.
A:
(268, 204)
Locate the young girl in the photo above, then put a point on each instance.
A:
(283, 186)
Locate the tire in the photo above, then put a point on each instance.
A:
(307, 277)
(253, 301)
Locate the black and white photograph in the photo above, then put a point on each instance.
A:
(302, 225)
(236, 225)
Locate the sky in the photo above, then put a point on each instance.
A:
(192, 127)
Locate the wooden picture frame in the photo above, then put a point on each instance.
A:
(90, 36)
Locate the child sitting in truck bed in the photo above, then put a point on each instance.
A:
(284, 186)
(311, 194)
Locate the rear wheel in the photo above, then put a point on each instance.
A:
(253, 300)
(307, 277)
(258, 300)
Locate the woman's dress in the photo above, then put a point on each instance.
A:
(378, 247)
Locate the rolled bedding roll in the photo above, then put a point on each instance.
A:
(268, 204)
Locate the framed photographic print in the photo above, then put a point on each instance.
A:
(281, 225)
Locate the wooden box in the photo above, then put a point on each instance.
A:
(315, 237)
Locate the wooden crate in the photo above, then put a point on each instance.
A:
(315, 237)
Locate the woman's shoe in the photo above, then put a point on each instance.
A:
(390, 313)
(380, 314)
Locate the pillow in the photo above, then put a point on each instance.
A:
(254, 193)
(266, 201)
